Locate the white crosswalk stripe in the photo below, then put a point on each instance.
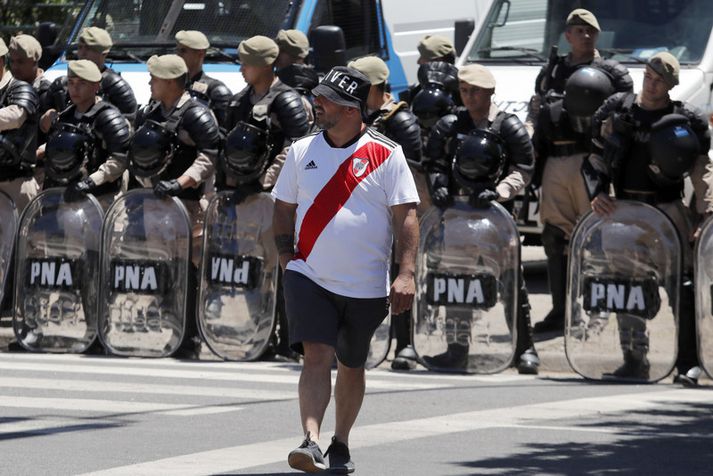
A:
(99, 387)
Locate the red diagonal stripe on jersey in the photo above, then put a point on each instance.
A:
(335, 194)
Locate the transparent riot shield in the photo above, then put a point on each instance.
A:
(8, 227)
(466, 289)
(623, 293)
(380, 344)
(236, 301)
(56, 273)
(146, 243)
(703, 263)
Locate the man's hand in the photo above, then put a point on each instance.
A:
(47, 119)
(603, 204)
(403, 290)
(167, 188)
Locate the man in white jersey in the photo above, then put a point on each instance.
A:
(345, 192)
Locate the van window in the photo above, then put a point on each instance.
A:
(358, 20)
(136, 23)
(632, 30)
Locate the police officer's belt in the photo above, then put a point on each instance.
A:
(651, 197)
(566, 148)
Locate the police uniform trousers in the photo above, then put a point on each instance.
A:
(564, 198)
(21, 190)
(681, 217)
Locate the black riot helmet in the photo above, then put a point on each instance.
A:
(586, 90)
(151, 149)
(67, 150)
(479, 160)
(673, 148)
(246, 152)
(430, 104)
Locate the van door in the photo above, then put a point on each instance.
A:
(360, 20)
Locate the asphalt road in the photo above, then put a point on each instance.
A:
(68, 414)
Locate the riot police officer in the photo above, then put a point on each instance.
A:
(191, 45)
(173, 152)
(560, 151)
(267, 103)
(25, 52)
(291, 62)
(649, 142)
(399, 124)
(87, 146)
(94, 45)
(477, 86)
(432, 49)
(18, 135)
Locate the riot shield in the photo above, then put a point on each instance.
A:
(56, 273)
(703, 264)
(8, 227)
(146, 243)
(380, 344)
(623, 293)
(236, 301)
(466, 289)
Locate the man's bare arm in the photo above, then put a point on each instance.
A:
(283, 226)
(405, 225)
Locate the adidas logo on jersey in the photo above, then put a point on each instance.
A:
(311, 165)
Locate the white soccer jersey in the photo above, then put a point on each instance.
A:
(343, 197)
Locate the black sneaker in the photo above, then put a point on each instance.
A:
(307, 457)
(340, 462)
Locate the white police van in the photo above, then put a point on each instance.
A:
(390, 29)
(514, 38)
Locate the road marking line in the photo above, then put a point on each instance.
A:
(197, 374)
(278, 367)
(269, 452)
(108, 387)
(113, 406)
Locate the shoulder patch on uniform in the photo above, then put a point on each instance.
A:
(200, 87)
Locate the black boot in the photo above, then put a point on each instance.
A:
(404, 355)
(454, 358)
(555, 244)
(636, 367)
(528, 362)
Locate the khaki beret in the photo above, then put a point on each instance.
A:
(193, 39)
(580, 16)
(27, 45)
(435, 46)
(258, 51)
(96, 38)
(373, 67)
(167, 66)
(3, 47)
(84, 69)
(477, 75)
(666, 65)
(293, 42)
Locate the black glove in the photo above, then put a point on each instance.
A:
(482, 198)
(167, 188)
(441, 197)
(79, 190)
(438, 185)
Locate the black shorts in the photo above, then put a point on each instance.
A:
(315, 314)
